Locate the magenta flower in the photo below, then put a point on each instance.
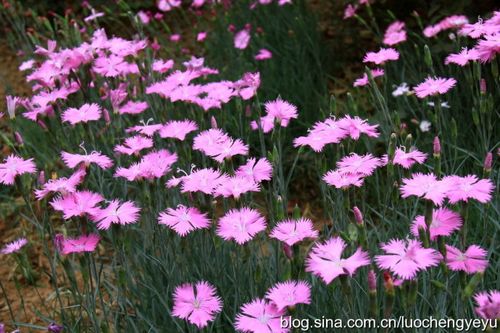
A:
(255, 170)
(468, 187)
(86, 113)
(405, 258)
(133, 107)
(382, 56)
(364, 81)
(425, 186)
(406, 160)
(116, 213)
(342, 180)
(178, 129)
(73, 160)
(444, 223)
(471, 261)
(293, 231)
(463, 57)
(77, 204)
(134, 145)
(363, 165)
(14, 166)
(289, 293)
(14, 246)
(325, 260)
(62, 185)
(350, 11)
(263, 54)
(488, 304)
(242, 39)
(434, 86)
(197, 303)
(259, 316)
(84, 243)
(489, 47)
(162, 66)
(218, 145)
(241, 225)
(184, 219)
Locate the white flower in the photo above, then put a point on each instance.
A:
(425, 125)
(401, 90)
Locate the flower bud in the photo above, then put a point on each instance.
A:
(358, 216)
(107, 118)
(482, 86)
(58, 242)
(19, 138)
(372, 281)
(213, 122)
(54, 328)
(41, 177)
(287, 249)
(436, 145)
(488, 162)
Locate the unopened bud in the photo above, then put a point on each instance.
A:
(107, 117)
(19, 138)
(358, 216)
(388, 283)
(213, 122)
(54, 328)
(41, 177)
(372, 281)
(436, 145)
(42, 125)
(488, 162)
(287, 249)
(482, 86)
(58, 242)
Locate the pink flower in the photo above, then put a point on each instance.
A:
(241, 39)
(350, 11)
(293, 231)
(241, 225)
(236, 186)
(184, 219)
(425, 186)
(407, 258)
(463, 57)
(263, 54)
(218, 145)
(147, 130)
(363, 165)
(84, 243)
(342, 180)
(382, 56)
(488, 304)
(321, 134)
(203, 180)
(162, 66)
(357, 126)
(395, 33)
(73, 160)
(278, 110)
(175, 38)
(444, 223)
(133, 107)
(289, 293)
(14, 246)
(198, 303)
(325, 260)
(256, 170)
(363, 80)
(455, 21)
(62, 185)
(488, 47)
(468, 187)
(406, 160)
(167, 5)
(86, 113)
(201, 36)
(134, 145)
(116, 213)
(471, 261)
(178, 129)
(77, 204)
(260, 316)
(434, 86)
(14, 166)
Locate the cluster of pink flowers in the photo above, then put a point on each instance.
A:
(352, 170)
(153, 165)
(395, 33)
(450, 22)
(454, 188)
(333, 131)
(218, 145)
